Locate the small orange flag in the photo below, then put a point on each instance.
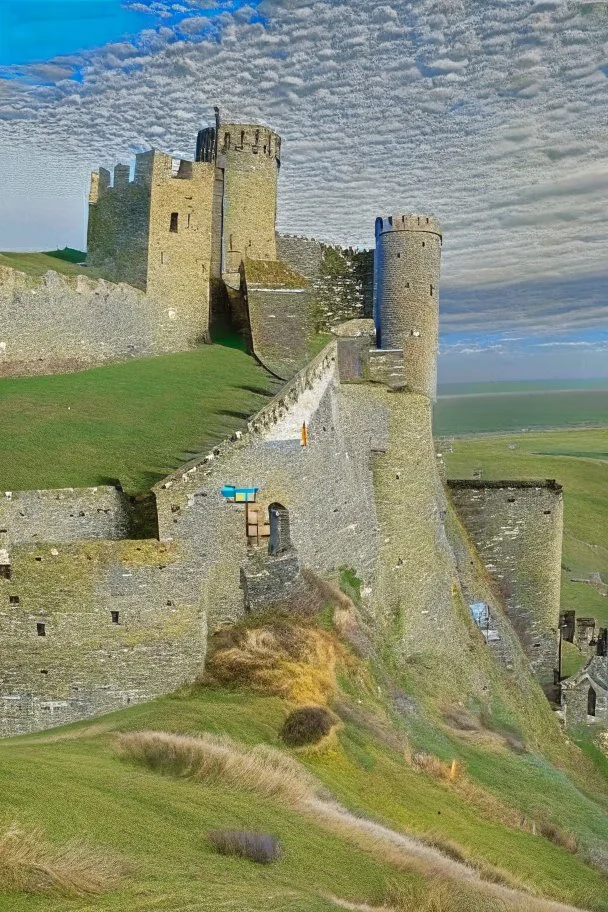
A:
(304, 435)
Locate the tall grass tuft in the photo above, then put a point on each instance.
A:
(439, 895)
(28, 863)
(259, 847)
(213, 758)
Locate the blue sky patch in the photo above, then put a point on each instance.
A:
(33, 31)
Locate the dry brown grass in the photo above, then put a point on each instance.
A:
(443, 896)
(213, 758)
(281, 658)
(557, 836)
(272, 774)
(30, 864)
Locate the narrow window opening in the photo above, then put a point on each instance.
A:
(265, 147)
(39, 560)
(43, 671)
(432, 289)
(547, 512)
(226, 140)
(5, 571)
(162, 258)
(591, 701)
(189, 218)
(510, 500)
(398, 256)
(424, 243)
(242, 138)
(115, 616)
(407, 284)
(173, 223)
(41, 630)
(13, 599)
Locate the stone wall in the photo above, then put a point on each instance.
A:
(88, 626)
(280, 326)
(68, 515)
(342, 278)
(56, 323)
(66, 656)
(517, 529)
(332, 510)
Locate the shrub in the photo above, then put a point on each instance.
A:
(307, 725)
(30, 864)
(260, 847)
(214, 758)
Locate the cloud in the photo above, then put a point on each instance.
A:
(489, 115)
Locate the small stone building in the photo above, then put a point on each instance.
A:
(585, 694)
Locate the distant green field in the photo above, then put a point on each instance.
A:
(131, 422)
(497, 410)
(578, 459)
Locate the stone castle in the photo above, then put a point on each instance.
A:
(338, 470)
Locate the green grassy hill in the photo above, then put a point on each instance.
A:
(578, 459)
(68, 262)
(513, 816)
(131, 422)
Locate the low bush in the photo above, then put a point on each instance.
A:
(307, 725)
(28, 863)
(259, 847)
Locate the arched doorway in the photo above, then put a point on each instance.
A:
(591, 701)
(280, 539)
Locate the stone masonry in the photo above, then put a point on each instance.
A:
(93, 619)
(517, 528)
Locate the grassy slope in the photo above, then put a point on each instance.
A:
(515, 411)
(578, 459)
(160, 823)
(36, 264)
(132, 422)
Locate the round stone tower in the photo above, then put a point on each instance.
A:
(406, 295)
(250, 156)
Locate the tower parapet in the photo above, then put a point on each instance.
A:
(406, 295)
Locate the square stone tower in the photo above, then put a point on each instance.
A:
(154, 232)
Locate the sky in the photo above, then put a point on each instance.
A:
(489, 114)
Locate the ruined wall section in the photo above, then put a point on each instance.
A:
(250, 156)
(66, 515)
(56, 323)
(326, 486)
(517, 529)
(342, 278)
(90, 627)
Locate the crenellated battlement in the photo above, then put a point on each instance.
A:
(151, 166)
(427, 223)
(243, 137)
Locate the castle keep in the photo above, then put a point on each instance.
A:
(338, 470)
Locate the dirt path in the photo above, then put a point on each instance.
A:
(411, 854)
